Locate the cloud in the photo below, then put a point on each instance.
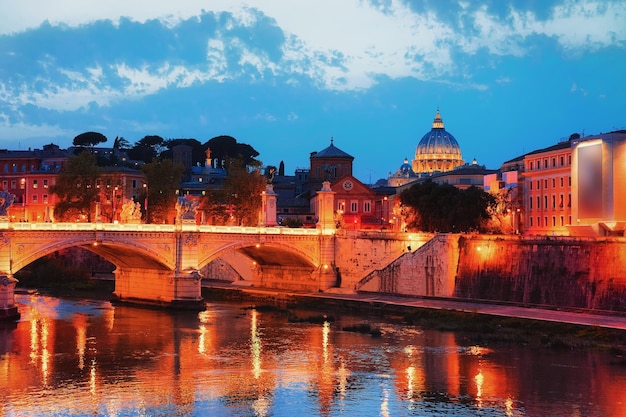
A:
(341, 46)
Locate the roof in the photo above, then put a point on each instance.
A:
(331, 152)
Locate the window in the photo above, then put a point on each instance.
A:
(45, 183)
(553, 201)
(530, 185)
(569, 200)
(367, 206)
(13, 185)
(545, 202)
(553, 221)
(562, 161)
(354, 206)
(545, 184)
(561, 182)
(545, 221)
(545, 163)
(562, 221)
(531, 166)
(5, 185)
(135, 183)
(531, 221)
(538, 185)
(538, 202)
(35, 198)
(553, 162)
(538, 221)
(569, 181)
(45, 198)
(530, 202)
(569, 159)
(341, 205)
(35, 184)
(561, 201)
(538, 163)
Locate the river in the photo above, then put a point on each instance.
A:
(89, 358)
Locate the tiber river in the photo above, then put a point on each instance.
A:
(89, 358)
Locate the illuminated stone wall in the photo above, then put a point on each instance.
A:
(562, 272)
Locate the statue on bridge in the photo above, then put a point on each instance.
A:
(6, 201)
(186, 209)
(131, 212)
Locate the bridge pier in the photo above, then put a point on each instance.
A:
(158, 287)
(8, 309)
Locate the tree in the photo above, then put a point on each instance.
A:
(239, 200)
(198, 151)
(89, 139)
(226, 148)
(121, 143)
(76, 188)
(163, 177)
(147, 148)
(433, 207)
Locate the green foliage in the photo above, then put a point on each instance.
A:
(147, 148)
(239, 200)
(433, 207)
(89, 139)
(76, 188)
(226, 148)
(198, 151)
(163, 177)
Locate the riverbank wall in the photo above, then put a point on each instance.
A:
(586, 273)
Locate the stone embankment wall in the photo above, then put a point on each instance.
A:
(360, 253)
(553, 271)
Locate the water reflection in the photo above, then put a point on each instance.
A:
(81, 357)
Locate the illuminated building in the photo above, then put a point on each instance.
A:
(598, 181)
(30, 175)
(437, 151)
(547, 190)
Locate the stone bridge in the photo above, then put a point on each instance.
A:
(161, 264)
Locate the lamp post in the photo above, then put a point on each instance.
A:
(145, 201)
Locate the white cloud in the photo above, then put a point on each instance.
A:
(345, 45)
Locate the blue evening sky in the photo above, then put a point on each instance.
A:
(285, 76)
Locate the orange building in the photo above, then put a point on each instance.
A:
(548, 190)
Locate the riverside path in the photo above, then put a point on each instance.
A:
(577, 317)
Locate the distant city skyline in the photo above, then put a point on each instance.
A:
(284, 77)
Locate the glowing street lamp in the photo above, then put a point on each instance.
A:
(145, 201)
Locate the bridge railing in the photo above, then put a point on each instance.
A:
(150, 227)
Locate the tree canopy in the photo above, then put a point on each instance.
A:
(147, 148)
(433, 207)
(163, 177)
(76, 188)
(226, 148)
(239, 200)
(89, 139)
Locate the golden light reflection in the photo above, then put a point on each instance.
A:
(343, 374)
(325, 333)
(255, 346)
(384, 406)
(508, 404)
(34, 340)
(261, 406)
(479, 380)
(80, 323)
(92, 378)
(45, 354)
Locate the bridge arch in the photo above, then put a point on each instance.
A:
(120, 254)
(268, 254)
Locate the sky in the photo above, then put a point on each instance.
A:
(287, 76)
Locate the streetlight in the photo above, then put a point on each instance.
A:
(145, 201)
